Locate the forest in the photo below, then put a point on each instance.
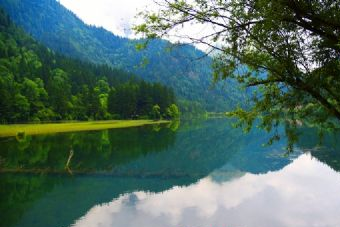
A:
(37, 84)
(180, 67)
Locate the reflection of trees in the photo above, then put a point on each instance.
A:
(174, 125)
(131, 160)
(109, 149)
(325, 147)
(93, 151)
(204, 146)
(17, 193)
(42, 152)
(330, 157)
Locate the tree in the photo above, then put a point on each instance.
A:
(122, 101)
(145, 100)
(21, 108)
(172, 112)
(102, 90)
(59, 89)
(36, 95)
(8, 89)
(156, 112)
(38, 84)
(287, 51)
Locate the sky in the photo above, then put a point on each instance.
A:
(115, 16)
(119, 17)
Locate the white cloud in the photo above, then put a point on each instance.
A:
(304, 193)
(115, 16)
(119, 16)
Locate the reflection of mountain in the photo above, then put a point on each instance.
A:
(116, 162)
(255, 157)
(291, 196)
(123, 161)
(70, 198)
(326, 148)
(202, 148)
(96, 151)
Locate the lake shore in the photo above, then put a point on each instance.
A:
(44, 128)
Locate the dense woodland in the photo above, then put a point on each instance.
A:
(182, 68)
(37, 84)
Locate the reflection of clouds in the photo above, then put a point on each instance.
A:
(304, 193)
(226, 173)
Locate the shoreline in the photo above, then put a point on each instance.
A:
(9, 130)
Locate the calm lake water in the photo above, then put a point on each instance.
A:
(198, 174)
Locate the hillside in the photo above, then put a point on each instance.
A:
(37, 84)
(59, 29)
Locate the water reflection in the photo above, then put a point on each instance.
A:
(34, 167)
(325, 148)
(304, 193)
(92, 151)
(134, 167)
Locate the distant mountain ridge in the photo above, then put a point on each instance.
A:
(36, 84)
(61, 30)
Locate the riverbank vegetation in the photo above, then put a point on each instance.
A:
(183, 68)
(21, 130)
(37, 85)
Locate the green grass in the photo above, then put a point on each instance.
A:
(34, 129)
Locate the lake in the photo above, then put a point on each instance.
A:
(192, 174)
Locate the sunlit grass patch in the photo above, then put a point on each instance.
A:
(34, 129)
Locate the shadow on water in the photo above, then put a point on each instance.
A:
(37, 190)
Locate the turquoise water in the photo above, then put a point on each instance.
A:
(201, 174)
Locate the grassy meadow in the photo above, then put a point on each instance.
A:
(34, 129)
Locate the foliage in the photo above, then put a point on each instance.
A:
(156, 112)
(133, 100)
(286, 51)
(172, 112)
(183, 68)
(37, 84)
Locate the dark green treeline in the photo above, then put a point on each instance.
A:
(37, 84)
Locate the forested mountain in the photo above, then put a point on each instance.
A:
(37, 84)
(58, 28)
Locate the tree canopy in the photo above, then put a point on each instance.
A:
(37, 84)
(287, 51)
(50, 23)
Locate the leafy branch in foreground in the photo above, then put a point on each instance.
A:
(286, 52)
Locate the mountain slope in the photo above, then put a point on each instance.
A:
(58, 28)
(38, 85)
